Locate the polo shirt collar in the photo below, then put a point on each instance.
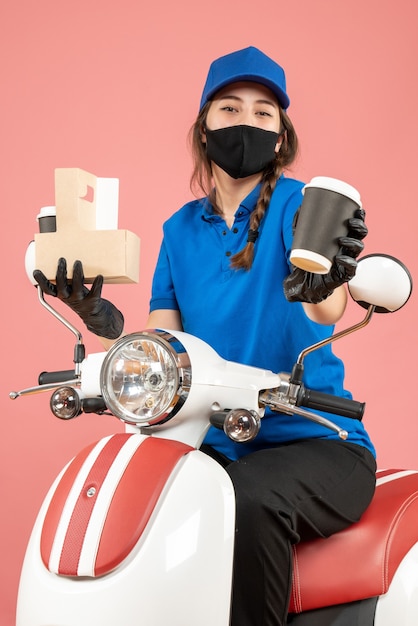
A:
(247, 206)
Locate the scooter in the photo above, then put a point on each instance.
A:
(138, 528)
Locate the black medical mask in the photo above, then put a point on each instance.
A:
(241, 150)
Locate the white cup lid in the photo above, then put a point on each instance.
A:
(47, 211)
(334, 184)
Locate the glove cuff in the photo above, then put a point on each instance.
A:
(108, 322)
(302, 286)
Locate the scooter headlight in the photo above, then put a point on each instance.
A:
(146, 377)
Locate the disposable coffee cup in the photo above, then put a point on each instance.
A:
(47, 219)
(328, 204)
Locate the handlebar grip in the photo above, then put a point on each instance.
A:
(331, 404)
(61, 376)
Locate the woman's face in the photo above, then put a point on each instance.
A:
(244, 103)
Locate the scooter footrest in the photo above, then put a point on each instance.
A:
(360, 562)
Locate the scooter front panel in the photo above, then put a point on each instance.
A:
(103, 503)
(178, 573)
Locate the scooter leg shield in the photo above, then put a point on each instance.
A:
(178, 571)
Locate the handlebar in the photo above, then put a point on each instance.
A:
(336, 405)
(89, 405)
(61, 376)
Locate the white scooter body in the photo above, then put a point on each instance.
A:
(138, 529)
(174, 553)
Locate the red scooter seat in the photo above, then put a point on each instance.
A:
(360, 562)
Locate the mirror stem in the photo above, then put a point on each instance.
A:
(79, 349)
(297, 372)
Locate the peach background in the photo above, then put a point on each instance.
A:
(113, 87)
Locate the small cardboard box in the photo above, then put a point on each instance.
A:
(113, 253)
(82, 204)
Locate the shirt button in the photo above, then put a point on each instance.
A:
(228, 253)
(224, 232)
(235, 230)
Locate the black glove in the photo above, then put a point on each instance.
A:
(100, 316)
(302, 286)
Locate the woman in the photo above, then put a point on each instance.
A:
(223, 275)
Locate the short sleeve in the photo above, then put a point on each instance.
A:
(293, 204)
(162, 294)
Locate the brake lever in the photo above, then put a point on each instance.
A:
(269, 399)
(75, 382)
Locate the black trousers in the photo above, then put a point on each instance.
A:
(284, 495)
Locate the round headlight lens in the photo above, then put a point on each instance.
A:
(145, 378)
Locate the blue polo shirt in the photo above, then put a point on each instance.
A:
(244, 315)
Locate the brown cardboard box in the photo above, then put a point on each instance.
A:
(113, 253)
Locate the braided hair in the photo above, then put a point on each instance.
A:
(202, 179)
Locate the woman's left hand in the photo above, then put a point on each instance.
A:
(302, 286)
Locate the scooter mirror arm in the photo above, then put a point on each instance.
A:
(297, 371)
(291, 394)
(79, 349)
(79, 355)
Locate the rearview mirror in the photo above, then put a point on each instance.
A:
(383, 281)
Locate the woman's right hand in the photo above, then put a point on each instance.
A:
(100, 316)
